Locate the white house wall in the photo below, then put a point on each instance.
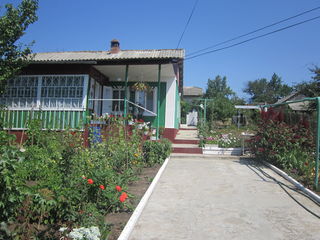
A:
(170, 102)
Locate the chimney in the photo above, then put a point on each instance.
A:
(115, 46)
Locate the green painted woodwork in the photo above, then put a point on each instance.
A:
(158, 101)
(18, 119)
(126, 92)
(163, 93)
(177, 110)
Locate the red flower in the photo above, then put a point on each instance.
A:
(123, 197)
(102, 187)
(118, 188)
(90, 181)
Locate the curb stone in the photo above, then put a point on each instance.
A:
(125, 234)
(311, 194)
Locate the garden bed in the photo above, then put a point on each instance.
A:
(137, 188)
(213, 149)
(73, 188)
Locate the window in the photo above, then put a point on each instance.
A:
(51, 91)
(62, 91)
(21, 92)
(117, 104)
(146, 100)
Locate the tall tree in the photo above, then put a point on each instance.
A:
(310, 88)
(13, 24)
(264, 91)
(218, 88)
(221, 106)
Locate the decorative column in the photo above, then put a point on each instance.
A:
(125, 91)
(158, 101)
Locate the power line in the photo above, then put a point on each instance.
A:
(185, 28)
(251, 39)
(257, 30)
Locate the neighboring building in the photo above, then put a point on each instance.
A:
(299, 106)
(64, 88)
(192, 93)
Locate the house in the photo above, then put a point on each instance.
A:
(64, 88)
(298, 106)
(192, 93)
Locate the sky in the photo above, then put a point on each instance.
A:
(77, 25)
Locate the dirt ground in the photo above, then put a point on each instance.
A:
(137, 188)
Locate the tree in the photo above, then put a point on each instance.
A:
(311, 88)
(13, 24)
(264, 91)
(218, 88)
(221, 107)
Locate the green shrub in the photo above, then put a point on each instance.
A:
(290, 147)
(11, 194)
(156, 151)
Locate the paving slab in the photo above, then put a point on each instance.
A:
(211, 198)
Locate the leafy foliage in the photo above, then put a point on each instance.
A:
(53, 181)
(156, 151)
(13, 24)
(10, 192)
(222, 99)
(290, 147)
(311, 88)
(264, 91)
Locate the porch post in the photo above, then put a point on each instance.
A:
(125, 91)
(158, 101)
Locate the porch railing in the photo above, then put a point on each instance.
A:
(118, 108)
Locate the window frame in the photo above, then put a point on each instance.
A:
(38, 106)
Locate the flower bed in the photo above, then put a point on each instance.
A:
(289, 147)
(52, 182)
(227, 141)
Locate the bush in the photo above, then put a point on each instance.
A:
(290, 147)
(53, 181)
(156, 151)
(11, 195)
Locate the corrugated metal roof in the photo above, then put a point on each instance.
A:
(192, 91)
(107, 55)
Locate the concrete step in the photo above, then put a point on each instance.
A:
(186, 141)
(186, 127)
(185, 145)
(187, 134)
(195, 150)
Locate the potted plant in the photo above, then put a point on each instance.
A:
(141, 86)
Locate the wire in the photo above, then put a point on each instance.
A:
(251, 39)
(254, 31)
(185, 28)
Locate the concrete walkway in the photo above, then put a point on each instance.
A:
(204, 198)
